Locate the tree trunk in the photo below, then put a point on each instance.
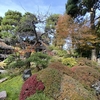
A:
(93, 55)
(27, 55)
(92, 17)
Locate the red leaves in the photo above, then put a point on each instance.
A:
(30, 87)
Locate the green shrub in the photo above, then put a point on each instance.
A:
(62, 53)
(69, 62)
(52, 47)
(39, 59)
(16, 64)
(13, 61)
(56, 58)
(39, 96)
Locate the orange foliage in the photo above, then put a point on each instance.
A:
(22, 52)
(63, 26)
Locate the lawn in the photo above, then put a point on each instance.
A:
(12, 87)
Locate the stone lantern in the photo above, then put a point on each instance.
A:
(26, 74)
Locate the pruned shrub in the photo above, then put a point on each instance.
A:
(71, 89)
(62, 53)
(69, 62)
(52, 80)
(60, 67)
(85, 75)
(16, 64)
(39, 96)
(41, 60)
(30, 87)
(13, 61)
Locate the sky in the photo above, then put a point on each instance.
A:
(33, 6)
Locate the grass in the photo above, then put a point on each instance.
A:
(12, 87)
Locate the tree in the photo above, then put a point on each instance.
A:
(25, 29)
(83, 7)
(9, 22)
(51, 22)
(0, 24)
(84, 40)
(63, 29)
(72, 8)
(50, 28)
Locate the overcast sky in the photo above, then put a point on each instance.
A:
(33, 6)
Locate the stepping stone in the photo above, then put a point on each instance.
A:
(3, 71)
(3, 95)
(3, 79)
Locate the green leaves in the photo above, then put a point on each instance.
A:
(39, 59)
(51, 22)
(8, 23)
(71, 7)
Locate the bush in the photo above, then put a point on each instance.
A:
(85, 75)
(39, 96)
(16, 64)
(39, 59)
(13, 61)
(52, 47)
(30, 87)
(52, 80)
(62, 53)
(69, 62)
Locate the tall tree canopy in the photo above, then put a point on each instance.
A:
(26, 27)
(9, 22)
(63, 29)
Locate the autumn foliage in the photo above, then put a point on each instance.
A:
(63, 28)
(63, 25)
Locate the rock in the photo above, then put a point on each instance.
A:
(3, 79)
(3, 95)
(3, 71)
(96, 86)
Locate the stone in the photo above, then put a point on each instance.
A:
(3, 71)
(3, 95)
(3, 79)
(96, 86)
